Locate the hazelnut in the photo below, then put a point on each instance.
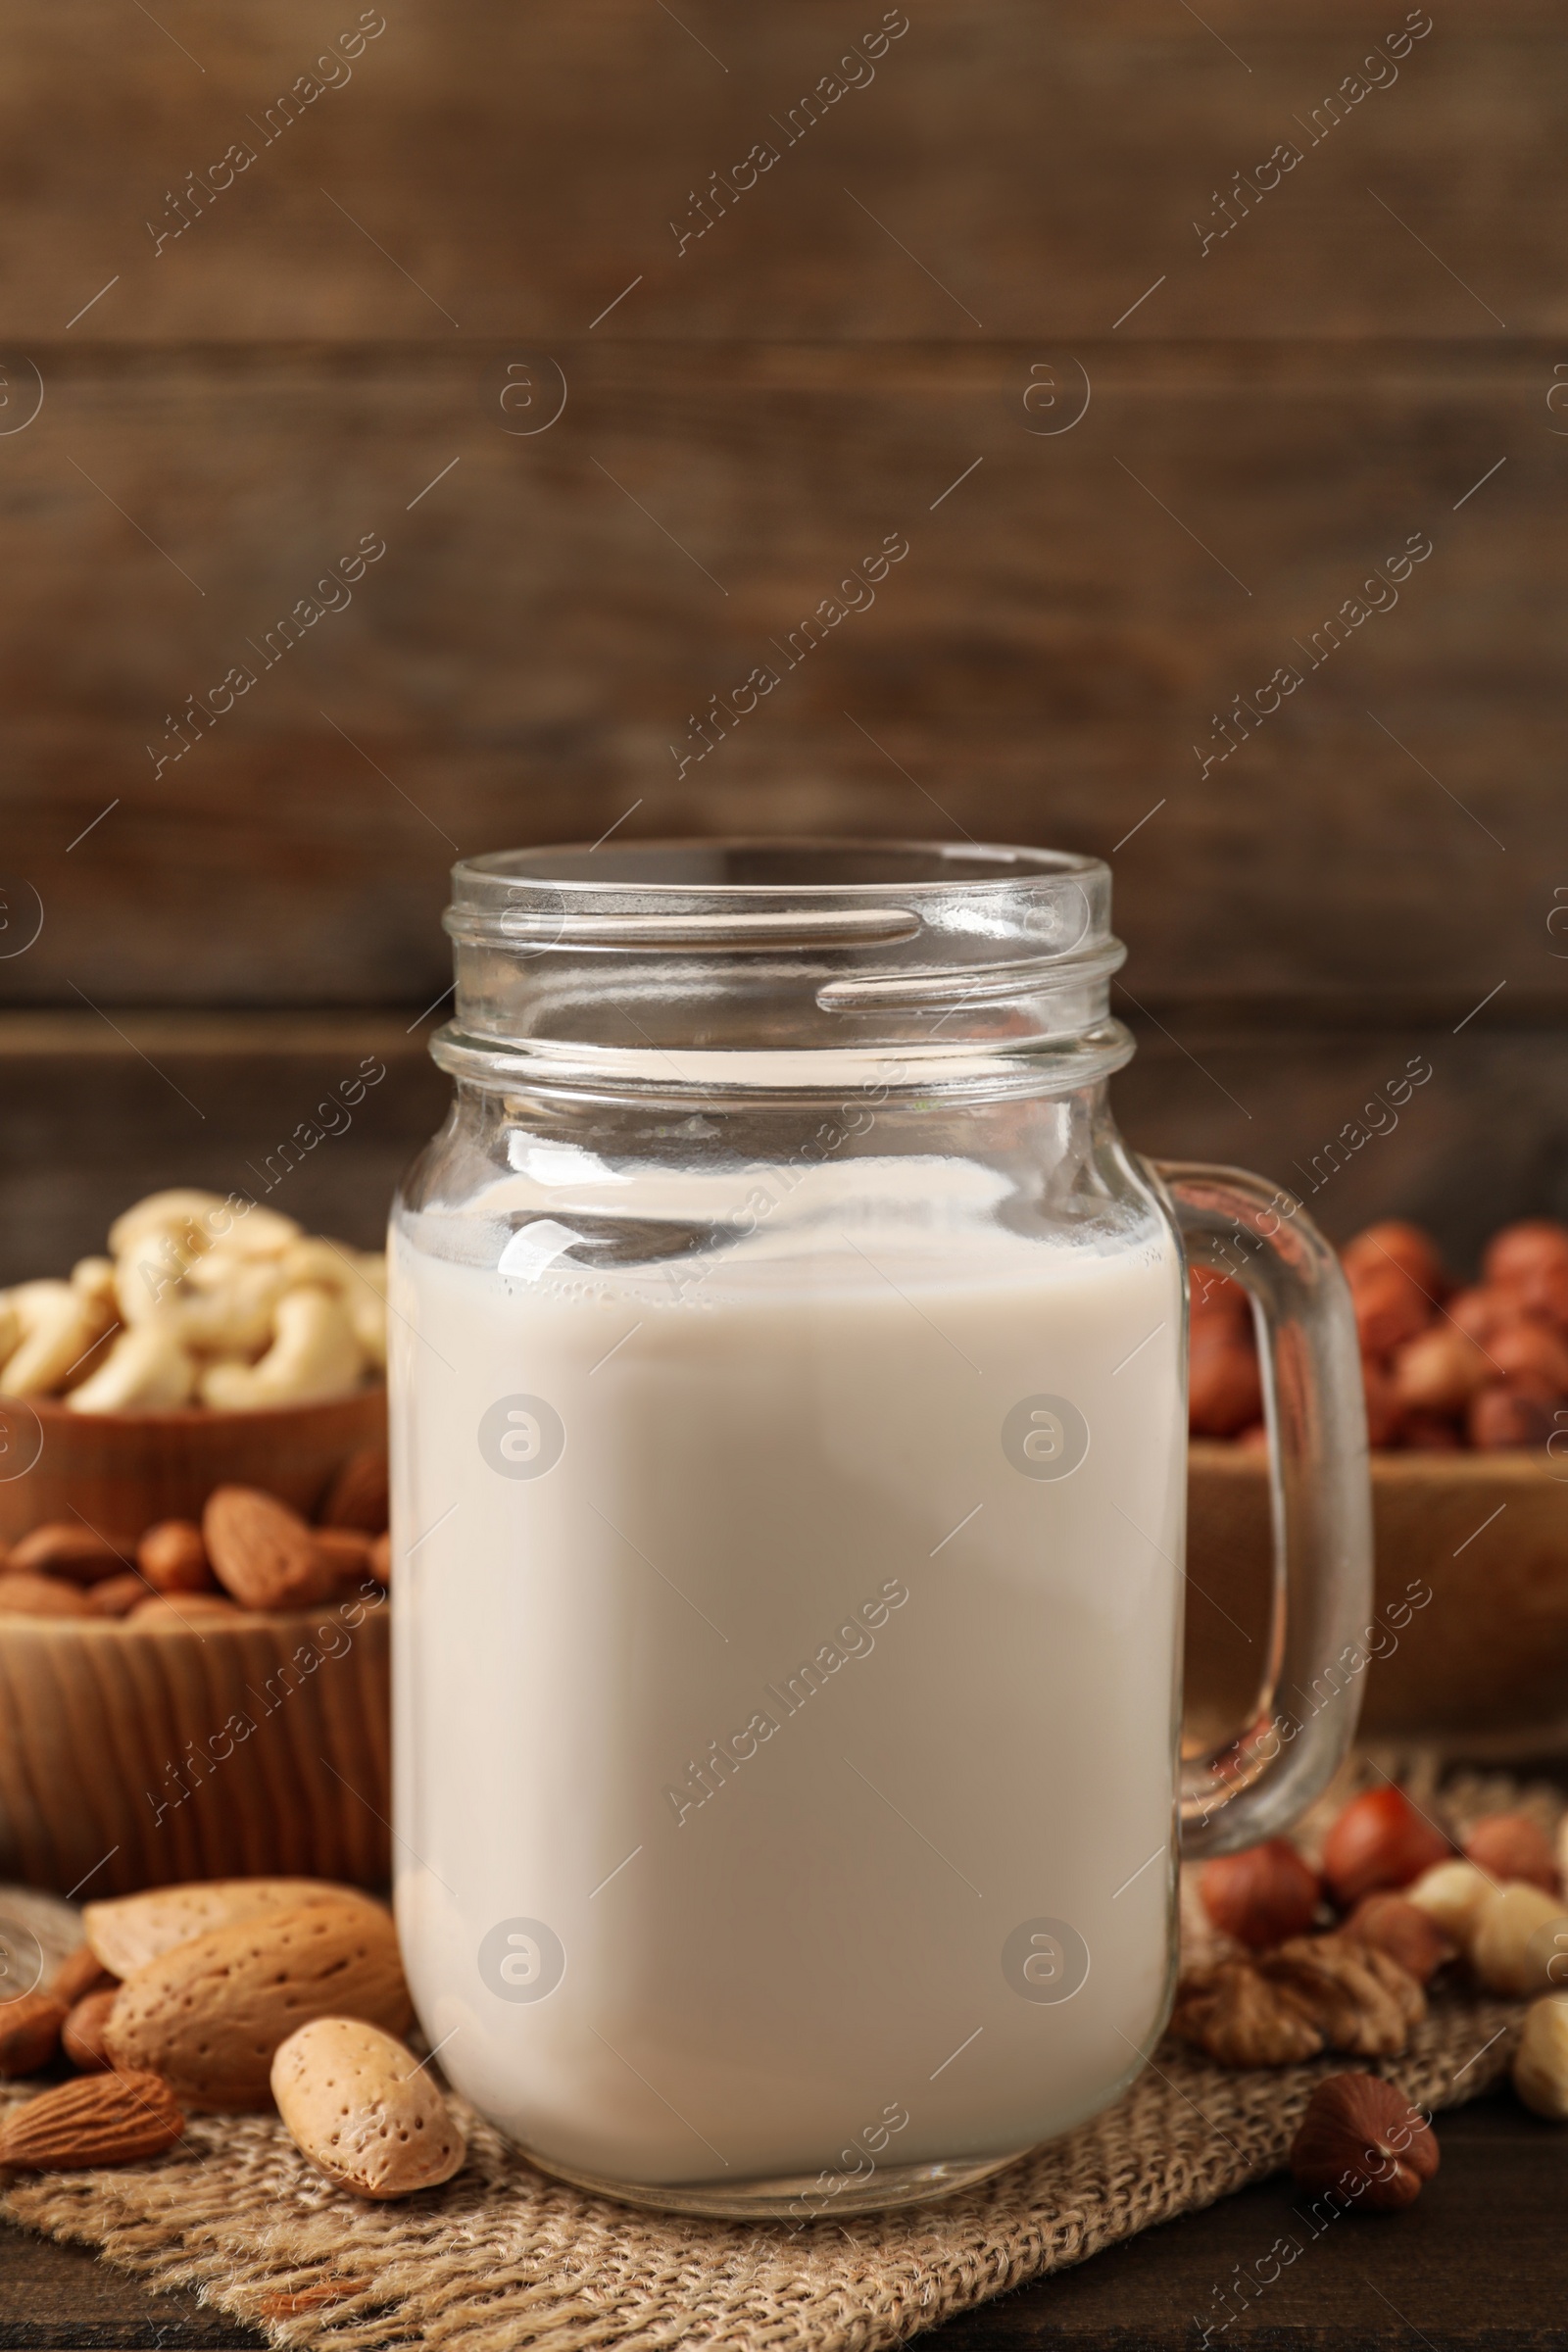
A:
(1511, 1845)
(1452, 1893)
(1530, 1259)
(1439, 1371)
(1541, 2062)
(1480, 1311)
(1407, 1248)
(1531, 1351)
(1361, 2136)
(1384, 1417)
(1388, 1309)
(1429, 1433)
(1519, 1943)
(1215, 1299)
(1508, 1414)
(173, 1558)
(1263, 1895)
(1402, 1930)
(1380, 1840)
(1224, 1388)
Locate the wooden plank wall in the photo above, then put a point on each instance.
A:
(1152, 333)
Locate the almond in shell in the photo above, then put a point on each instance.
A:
(263, 1552)
(99, 2118)
(210, 2015)
(127, 1930)
(359, 2105)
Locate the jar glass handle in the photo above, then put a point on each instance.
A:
(1321, 1506)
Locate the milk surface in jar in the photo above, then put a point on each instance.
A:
(787, 1627)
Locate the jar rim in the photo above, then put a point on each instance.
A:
(653, 865)
(763, 947)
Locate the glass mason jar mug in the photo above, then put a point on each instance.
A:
(789, 1446)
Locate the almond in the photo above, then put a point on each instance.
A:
(81, 2036)
(116, 1596)
(29, 2034)
(261, 1552)
(81, 1972)
(358, 1495)
(41, 1597)
(182, 1612)
(104, 2118)
(359, 2105)
(173, 1558)
(347, 1551)
(127, 1930)
(67, 1547)
(210, 2015)
(381, 1558)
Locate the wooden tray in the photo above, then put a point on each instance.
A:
(132, 1756)
(1485, 1533)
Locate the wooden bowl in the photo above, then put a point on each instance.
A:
(120, 1472)
(135, 1755)
(1484, 1659)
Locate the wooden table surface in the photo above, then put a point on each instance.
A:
(1482, 2261)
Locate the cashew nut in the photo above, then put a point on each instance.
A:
(234, 1317)
(258, 1232)
(365, 1300)
(58, 1326)
(94, 1278)
(146, 1370)
(314, 1356)
(10, 1328)
(357, 1276)
(223, 1305)
(329, 1265)
(190, 1220)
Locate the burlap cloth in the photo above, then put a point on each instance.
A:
(503, 2257)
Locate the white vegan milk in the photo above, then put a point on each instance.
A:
(786, 1655)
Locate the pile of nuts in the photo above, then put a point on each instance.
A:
(1442, 1367)
(223, 1996)
(1339, 1959)
(202, 1301)
(250, 1552)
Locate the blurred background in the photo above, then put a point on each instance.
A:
(419, 422)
